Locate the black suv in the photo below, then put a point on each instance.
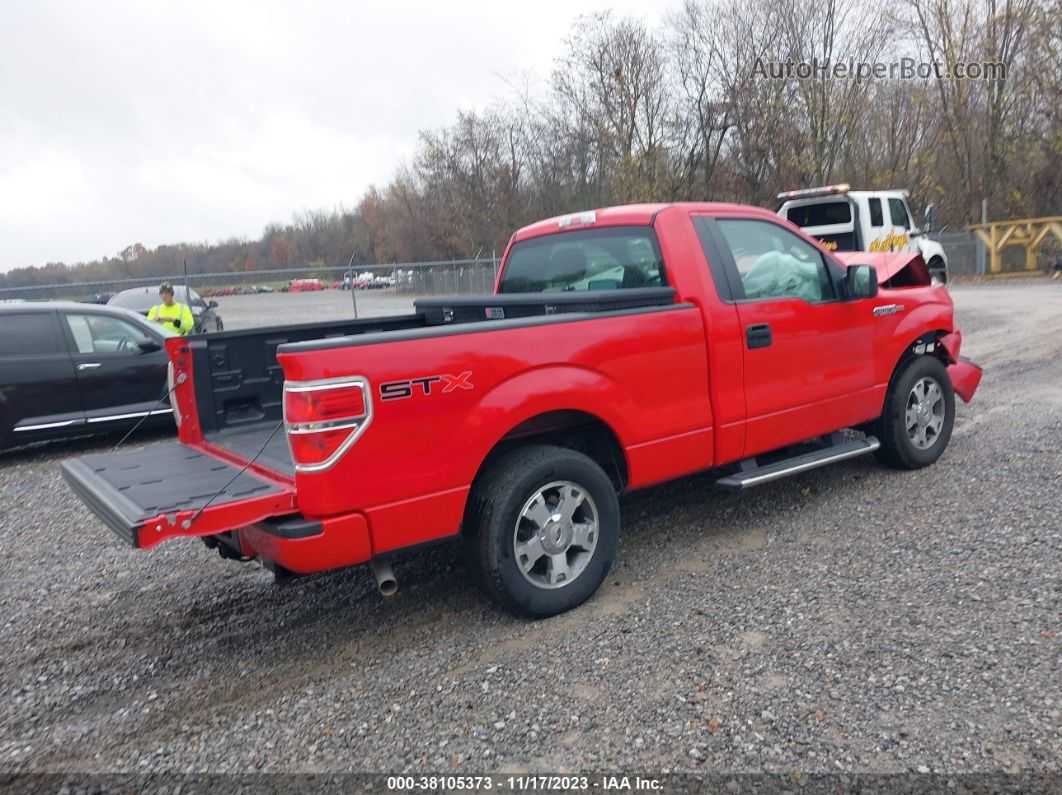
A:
(67, 368)
(141, 299)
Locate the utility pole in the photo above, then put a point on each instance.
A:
(980, 244)
(350, 274)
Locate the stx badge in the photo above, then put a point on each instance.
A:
(426, 385)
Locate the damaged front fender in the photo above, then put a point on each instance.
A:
(965, 376)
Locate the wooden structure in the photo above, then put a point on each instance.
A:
(1028, 232)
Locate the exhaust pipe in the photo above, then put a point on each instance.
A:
(385, 578)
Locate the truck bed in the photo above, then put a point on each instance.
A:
(149, 495)
(247, 442)
(238, 383)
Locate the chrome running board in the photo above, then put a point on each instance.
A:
(754, 476)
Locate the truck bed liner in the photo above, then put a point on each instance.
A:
(247, 442)
(130, 488)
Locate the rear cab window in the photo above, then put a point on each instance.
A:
(607, 258)
(875, 212)
(820, 214)
(835, 213)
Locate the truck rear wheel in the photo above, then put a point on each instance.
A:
(542, 527)
(918, 415)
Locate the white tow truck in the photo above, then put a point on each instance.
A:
(842, 219)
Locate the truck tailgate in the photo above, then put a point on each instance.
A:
(148, 495)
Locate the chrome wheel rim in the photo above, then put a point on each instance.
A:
(556, 534)
(925, 413)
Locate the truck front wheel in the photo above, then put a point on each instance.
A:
(938, 270)
(542, 524)
(918, 415)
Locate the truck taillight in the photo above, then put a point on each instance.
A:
(324, 418)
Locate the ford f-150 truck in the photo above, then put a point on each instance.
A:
(622, 347)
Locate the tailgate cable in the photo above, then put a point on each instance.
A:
(180, 380)
(188, 522)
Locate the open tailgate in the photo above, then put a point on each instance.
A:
(149, 495)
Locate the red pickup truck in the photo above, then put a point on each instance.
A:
(621, 348)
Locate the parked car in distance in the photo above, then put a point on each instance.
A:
(624, 347)
(67, 368)
(141, 299)
(303, 286)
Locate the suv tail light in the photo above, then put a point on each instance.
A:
(324, 418)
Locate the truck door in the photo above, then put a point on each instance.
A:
(900, 218)
(809, 364)
(38, 387)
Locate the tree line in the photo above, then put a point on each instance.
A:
(709, 105)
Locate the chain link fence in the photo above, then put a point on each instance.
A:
(963, 250)
(967, 255)
(408, 279)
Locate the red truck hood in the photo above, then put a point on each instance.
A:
(887, 263)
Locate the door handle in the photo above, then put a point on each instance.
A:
(758, 335)
(88, 366)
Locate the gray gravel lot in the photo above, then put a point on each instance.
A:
(248, 311)
(853, 618)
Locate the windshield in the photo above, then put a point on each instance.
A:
(612, 258)
(141, 299)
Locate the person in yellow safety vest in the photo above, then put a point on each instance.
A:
(171, 314)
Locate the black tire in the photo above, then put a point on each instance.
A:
(898, 449)
(495, 505)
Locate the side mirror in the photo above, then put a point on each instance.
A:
(927, 222)
(148, 345)
(861, 281)
(212, 304)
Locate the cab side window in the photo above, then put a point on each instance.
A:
(95, 334)
(898, 211)
(29, 334)
(772, 262)
(876, 218)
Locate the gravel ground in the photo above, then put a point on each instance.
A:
(852, 618)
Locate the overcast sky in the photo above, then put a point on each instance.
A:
(161, 122)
